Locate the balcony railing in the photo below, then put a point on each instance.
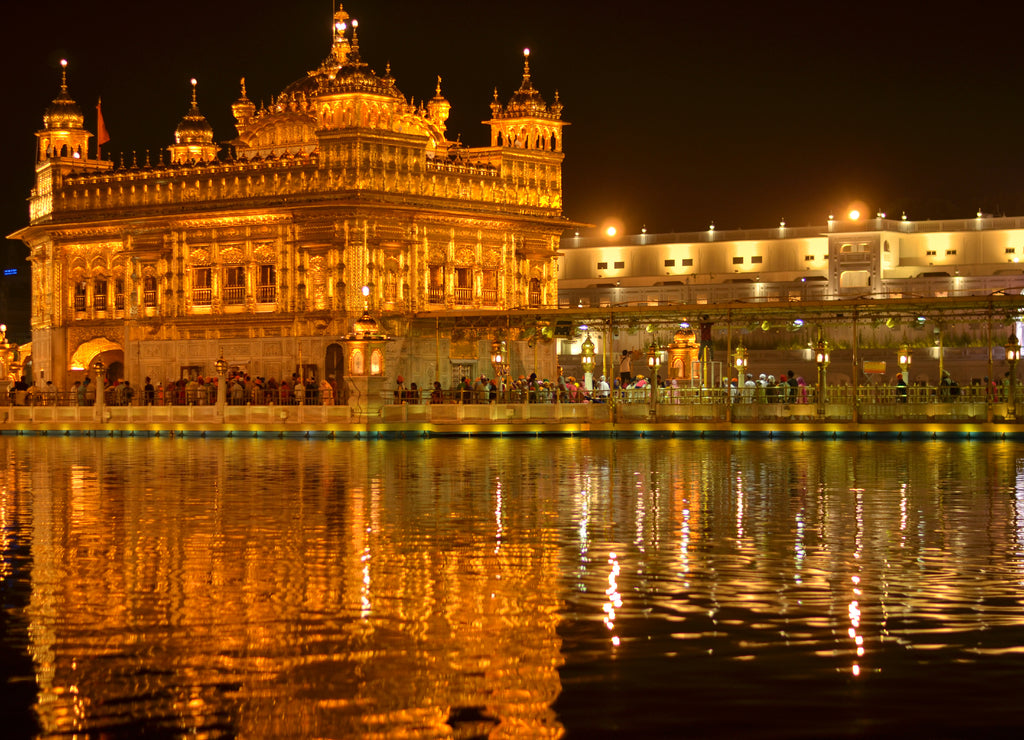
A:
(234, 295)
(463, 295)
(266, 293)
(202, 296)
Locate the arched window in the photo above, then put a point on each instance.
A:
(356, 364)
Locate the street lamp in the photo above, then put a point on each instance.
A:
(653, 363)
(904, 363)
(821, 358)
(221, 366)
(587, 361)
(1012, 355)
(740, 360)
(499, 360)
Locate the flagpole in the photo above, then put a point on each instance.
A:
(102, 137)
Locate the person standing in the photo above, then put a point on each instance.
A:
(625, 368)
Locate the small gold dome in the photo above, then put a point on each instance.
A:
(194, 128)
(365, 326)
(684, 337)
(63, 112)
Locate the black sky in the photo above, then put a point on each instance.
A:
(681, 113)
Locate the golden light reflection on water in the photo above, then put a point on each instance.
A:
(443, 587)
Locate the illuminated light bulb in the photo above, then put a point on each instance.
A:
(526, 52)
(355, 23)
(854, 214)
(611, 231)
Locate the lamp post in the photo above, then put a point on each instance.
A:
(587, 361)
(222, 388)
(904, 363)
(98, 367)
(740, 360)
(499, 361)
(1012, 355)
(821, 358)
(6, 365)
(653, 363)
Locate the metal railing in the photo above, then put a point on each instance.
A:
(839, 403)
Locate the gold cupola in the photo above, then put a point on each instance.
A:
(63, 134)
(438, 108)
(527, 121)
(243, 110)
(193, 139)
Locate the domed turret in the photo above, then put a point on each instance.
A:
(193, 139)
(438, 108)
(527, 122)
(63, 133)
(243, 110)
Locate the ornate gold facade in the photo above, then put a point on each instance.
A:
(258, 249)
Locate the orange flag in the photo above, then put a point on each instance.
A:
(102, 137)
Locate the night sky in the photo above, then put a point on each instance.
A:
(681, 113)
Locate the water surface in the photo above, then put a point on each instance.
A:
(510, 588)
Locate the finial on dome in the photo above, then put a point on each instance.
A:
(243, 88)
(526, 64)
(195, 103)
(355, 36)
(63, 75)
(439, 85)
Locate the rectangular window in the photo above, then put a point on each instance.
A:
(80, 292)
(266, 287)
(234, 285)
(930, 253)
(620, 265)
(756, 259)
(149, 291)
(808, 258)
(687, 262)
(119, 294)
(463, 285)
(202, 286)
(670, 263)
(435, 290)
(99, 295)
(737, 260)
(1011, 250)
(490, 287)
(602, 265)
(950, 252)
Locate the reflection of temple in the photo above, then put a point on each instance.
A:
(259, 250)
(198, 593)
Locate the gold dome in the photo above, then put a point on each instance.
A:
(194, 128)
(684, 338)
(63, 112)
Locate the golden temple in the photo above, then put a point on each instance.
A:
(258, 249)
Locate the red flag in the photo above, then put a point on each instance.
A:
(102, 137)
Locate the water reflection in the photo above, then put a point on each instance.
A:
(498, 587)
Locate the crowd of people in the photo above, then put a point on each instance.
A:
(244, 389)
(523, 389)
(241, 389)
